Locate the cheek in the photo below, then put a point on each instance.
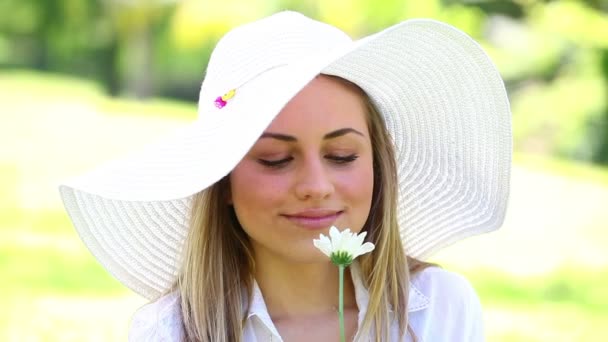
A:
(255, 193)
(357, 187)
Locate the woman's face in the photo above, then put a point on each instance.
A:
(312, 168)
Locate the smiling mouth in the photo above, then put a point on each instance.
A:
(314, 222)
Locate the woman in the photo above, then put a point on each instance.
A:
(403, 134)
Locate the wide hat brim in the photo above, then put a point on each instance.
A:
(444, 104)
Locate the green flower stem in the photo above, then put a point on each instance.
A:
(341, 303)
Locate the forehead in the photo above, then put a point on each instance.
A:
(326, 102)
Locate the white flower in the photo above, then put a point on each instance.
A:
(343, 247)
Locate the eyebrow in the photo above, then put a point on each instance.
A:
(337, 133)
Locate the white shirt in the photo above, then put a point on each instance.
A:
(442, 306)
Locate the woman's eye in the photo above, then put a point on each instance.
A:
(275, 163)
(343, 159)
(283, 162)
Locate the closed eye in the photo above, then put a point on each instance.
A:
(283, 162)
(343, 159)
(275, 163)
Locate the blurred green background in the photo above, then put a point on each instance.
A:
(83, 81)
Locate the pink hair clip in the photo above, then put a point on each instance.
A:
(221, 101)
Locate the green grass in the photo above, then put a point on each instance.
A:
(588, 172)
(48, 267)
(542, 321)
(37, 87)
(54, 290)
(571, 287)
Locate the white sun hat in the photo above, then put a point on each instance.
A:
(443, 101)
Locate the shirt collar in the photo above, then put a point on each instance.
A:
(416, 299)
(258, 309)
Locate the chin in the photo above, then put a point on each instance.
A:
(313, 256)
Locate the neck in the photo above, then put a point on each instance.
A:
(293, 290)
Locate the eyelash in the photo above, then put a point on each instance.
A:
(282, 162)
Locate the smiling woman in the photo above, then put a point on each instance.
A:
(311, 169)
(403, 136)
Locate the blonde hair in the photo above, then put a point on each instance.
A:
(216, 278)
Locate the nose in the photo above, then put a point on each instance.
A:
(313, 181)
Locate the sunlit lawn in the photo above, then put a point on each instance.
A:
(544, 277)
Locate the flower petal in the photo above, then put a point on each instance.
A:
(359, 240)
(337, 238)
(364, 249)
(343, 242)
(362, 235)
(323, 244)
(350, 244)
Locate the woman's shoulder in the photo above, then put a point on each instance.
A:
(453, 311)
(436, 282)
(160, 320)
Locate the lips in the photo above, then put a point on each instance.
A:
(313, 219)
